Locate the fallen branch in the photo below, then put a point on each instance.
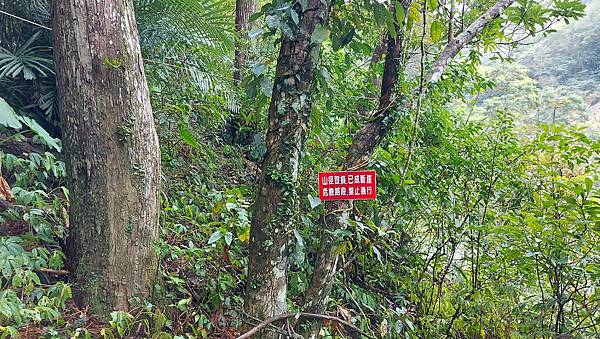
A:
(54, 272)
(283, 316)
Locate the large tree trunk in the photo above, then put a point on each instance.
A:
(243, 11)
(364, 142)
(276, 201)
(111, 151)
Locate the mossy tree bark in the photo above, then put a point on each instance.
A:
(363, 142)
(111, 151)
(276, 201)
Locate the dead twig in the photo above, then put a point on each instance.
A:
(283, 316)
(53, 272)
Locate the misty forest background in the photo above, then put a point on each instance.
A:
(487, 221)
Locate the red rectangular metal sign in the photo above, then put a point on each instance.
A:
(349, 185)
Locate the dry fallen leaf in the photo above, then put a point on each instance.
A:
(5, 192)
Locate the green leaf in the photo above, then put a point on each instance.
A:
(437, 30)
(266, 86)
(8, 118)
(589, 184)
(377, 254)
(314, 201)
(258, 69)
(187, 136)
(379, 12)
(28, 73)
(299, 249)
(432, 5)
(294, 16)
(319, 35)
(228, 238)
(42, 133)
(273, 22)
(215, 237)
(400, 14)
(347, 37)
(391, 27)
(255, 32)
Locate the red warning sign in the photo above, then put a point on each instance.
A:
(349, 185)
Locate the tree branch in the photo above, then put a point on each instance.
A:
(465, 37)
(283, 316)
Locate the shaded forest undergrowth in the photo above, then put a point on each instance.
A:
(504, 233)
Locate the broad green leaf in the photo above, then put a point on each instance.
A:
(187, 136)
(255, 32)
(319, 35)
(8, 118)
(215, 237)
(432, 5)
(400, 14)
(42, 133)
(228, 238)
(299, 249)
(437, 30)
(266, 86)
(379, 12)
(391, 24)
(273, 22)
(346, 38)
(314, 201)
(294, 16)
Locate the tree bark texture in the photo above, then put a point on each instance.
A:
(275, 206)
(111, 151)
(364, 142)
(243, 11)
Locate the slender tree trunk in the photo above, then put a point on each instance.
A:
(337, 212)
(376, 57)
(276, 201)
(243, 11)
(365, 141)
(451, 22)
(111, 151)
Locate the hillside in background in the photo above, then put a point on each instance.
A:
(552, 79)
(570, 56)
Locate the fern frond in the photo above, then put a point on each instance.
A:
(209, 22)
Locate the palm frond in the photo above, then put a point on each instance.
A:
(28, 61)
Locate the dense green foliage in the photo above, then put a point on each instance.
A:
(493, 231)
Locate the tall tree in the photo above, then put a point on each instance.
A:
(276, 199)
(243, 10)
(111, 152)
(366, 139)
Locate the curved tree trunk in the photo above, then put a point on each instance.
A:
(366, 139)
(276, 200)
(111, 151)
